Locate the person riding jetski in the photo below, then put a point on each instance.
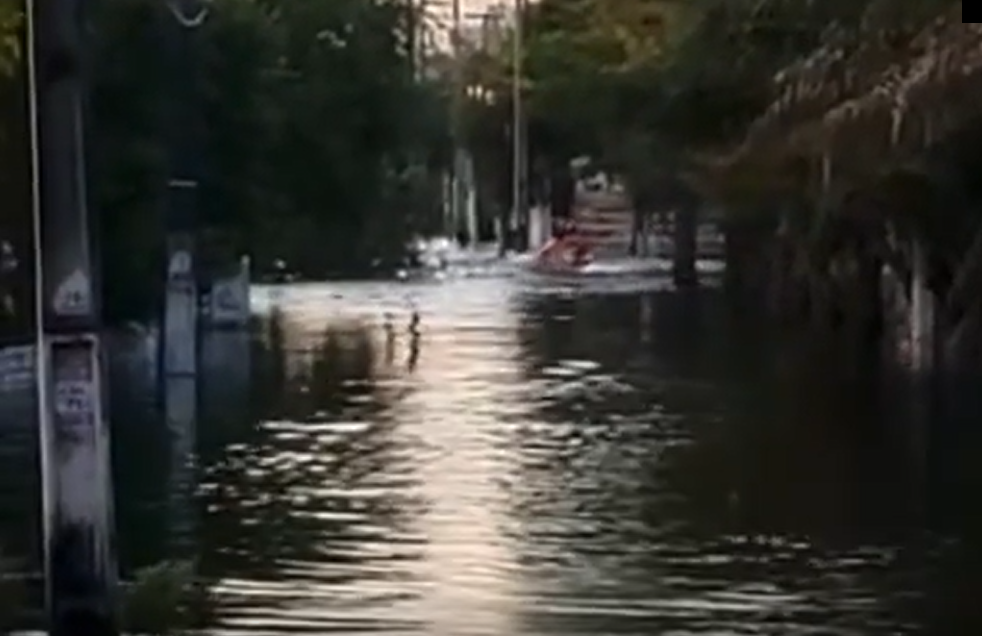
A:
(568, 244)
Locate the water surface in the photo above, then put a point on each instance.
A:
(555, 459)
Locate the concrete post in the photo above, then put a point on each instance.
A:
(180, 321)
(224, 359)
(471, 202)
(686, 227)
(79, 546)
(457, 194)
(539, 226)
(519, 215)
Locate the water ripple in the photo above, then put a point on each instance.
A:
(544, 463)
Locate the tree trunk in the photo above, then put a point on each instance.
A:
(684, 262)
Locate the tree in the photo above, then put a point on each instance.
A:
(15, 225)
(649, 86)
(11, 21)
(322, 145)
(588, 65)
(318, 143)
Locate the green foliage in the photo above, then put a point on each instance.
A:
(165, 599)
(317, 140)
(11, 21)
(643, 85)
(588, 68)
(14, 163)
(319, 144)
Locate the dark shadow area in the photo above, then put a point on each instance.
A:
(685, 455)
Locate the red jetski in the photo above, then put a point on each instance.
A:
(565, 254)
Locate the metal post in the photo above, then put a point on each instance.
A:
(79, 548)
(412, 38)
(422, 38)
(180, 333)
(417, 30)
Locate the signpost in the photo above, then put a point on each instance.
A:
(79, 549)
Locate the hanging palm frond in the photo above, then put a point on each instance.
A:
(884, 89)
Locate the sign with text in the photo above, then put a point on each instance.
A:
(74, 385)
(179, 267)
(73, 296)
(229, 300)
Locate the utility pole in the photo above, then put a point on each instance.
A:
(412, 38)
(457, 176)
(79, 546)
(417, 36)
(180, 333)
(422, 29)
(518, 176)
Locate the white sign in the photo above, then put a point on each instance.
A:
(229, 302)
(74, 398)
(16, 359)
(74, 296)
(180, 264)
(225, 299)
(16, 368)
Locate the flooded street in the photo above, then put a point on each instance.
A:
(610, 459)
(490, 318)
(551, 460)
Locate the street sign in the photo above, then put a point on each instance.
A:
(228, 303)
(17, 368)
(180, 264)
(74, 388)
(179, 269)
(73, 297)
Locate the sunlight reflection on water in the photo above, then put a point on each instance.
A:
(549, 459)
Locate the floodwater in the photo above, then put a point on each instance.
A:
(549, 459)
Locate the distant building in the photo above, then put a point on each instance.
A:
(487, 30)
